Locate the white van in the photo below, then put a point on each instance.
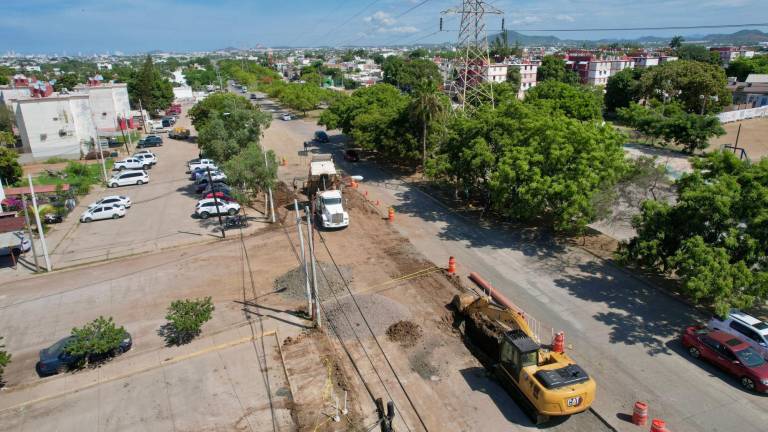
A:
(124, 178)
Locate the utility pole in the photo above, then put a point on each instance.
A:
(216, 202)
(122, 132)
(472, 66)
(269, 192)
(303, 258)
(97, 146)
(29, 230)
(39, 225)
(313, 262)
(143, 119)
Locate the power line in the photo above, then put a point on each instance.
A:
(412, 8)
(638, 28)
(337, 27)
(400, 15)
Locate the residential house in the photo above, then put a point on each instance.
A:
(56, 126)
(729, 54)
(753, 91)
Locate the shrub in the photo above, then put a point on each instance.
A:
(5, 358)
(96, 339)
(186, 317)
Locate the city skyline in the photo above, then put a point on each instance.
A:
(88, 26)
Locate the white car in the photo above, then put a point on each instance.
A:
(149, 157)
(207, 207)
(215, 176)
(102, 212)
(126, 178)
(748, 328)
(12, 247)
(286, 117)
(120, 200)
(131, 163)
(202, 163)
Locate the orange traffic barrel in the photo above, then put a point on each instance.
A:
(391, 214)
(452, 265)
(558, 344)
(658, 425)
(640, 414)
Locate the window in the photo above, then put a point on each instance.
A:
(97, 210)
(43, 137)
(746, 331)
(709, 342)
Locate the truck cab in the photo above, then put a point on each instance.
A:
(329, 206)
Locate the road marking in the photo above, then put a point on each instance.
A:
(168, 361)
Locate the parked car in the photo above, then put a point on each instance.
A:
(207, 207)
(219, 195)
(729, 353)
(150, 141)
(750, 329)
(120, 200)
(20, 244)
(321, 136)
(150, 158)
(52, 218)
(131, 163)
(94, 154)
(216, 175)
(201, 184)
(102, 212)
(55, 360)
(217, 187)
(286, 117)
(126, 178)
(202, 163)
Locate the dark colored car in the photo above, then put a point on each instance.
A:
(321, 136)
(150, 141)
(203, 184)
(218, 187)
(55, 360)
(352, 155)
(729, 353)
(52, 218)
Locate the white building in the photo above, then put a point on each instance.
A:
(56, 126)
(497, 72)
(108, 102)
(598, 72)
(104, 66)
(644, 62)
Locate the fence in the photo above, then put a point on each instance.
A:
(732, 116)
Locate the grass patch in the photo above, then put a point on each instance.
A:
(55, 160)
(79, 176)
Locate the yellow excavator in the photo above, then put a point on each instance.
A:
(543, 379)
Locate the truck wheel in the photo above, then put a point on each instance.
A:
(694, 352)
(145, 167)
(120, 168)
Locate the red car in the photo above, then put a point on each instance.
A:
(220, 195)
(729, 353)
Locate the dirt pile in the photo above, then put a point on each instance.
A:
(406, 333)
(292, 284)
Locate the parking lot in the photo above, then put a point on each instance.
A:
(161, 216)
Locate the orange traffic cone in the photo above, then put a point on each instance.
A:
(640, 414)
(391, 214)
(558, 344)
(452, 265)
(658, 425)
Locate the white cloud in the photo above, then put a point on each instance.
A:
(528, 19)
(400, 29)
(563, 17)
(380, 18)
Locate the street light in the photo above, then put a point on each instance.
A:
(704, 101)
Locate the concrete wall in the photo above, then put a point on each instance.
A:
(55, 126)
(108, 102)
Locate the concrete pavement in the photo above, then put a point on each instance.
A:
(621, 330)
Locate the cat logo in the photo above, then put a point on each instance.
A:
(573, 402)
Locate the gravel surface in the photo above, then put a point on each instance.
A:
(293, 285)
(380, 312)
(406, 333)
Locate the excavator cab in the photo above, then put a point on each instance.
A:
(517, 352)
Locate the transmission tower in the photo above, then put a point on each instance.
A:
(472, 67)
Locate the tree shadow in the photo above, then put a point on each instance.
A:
(173, 337)
(639, 314)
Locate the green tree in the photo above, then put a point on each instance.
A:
(6, 118)
(96, 339)
(407, 75)
(66, 81)
(622, 89)
(742, 67)
(149, 87)
(687, 81)
(5, 75)
(5, 359)
(186, 319)
(500, 45)
(418, 53)
(582, 103)
(7, 139)
(10, 169)
(313, 78)
(671, 123)
(554, 68)
(676, 42)
(513, 77)
(249, 169)
(427, 106)
(698, 53)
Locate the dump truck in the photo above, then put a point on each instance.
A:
(322, 175)
(543, 379)
(179, 133)
(323, 188)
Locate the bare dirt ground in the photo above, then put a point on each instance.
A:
(753, 137)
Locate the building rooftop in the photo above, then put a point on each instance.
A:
(757, 78)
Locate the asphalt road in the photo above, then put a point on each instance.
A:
(622, 331)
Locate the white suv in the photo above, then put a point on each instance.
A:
(132, 163)
(202, 163)
(746, 327)
(207, 207)
(146, 157)
(102, 212)
(128, 178)
(114, 200)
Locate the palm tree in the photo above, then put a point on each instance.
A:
(426, 106)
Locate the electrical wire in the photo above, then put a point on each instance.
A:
(411, 9)
(336, 28)
(635, 28)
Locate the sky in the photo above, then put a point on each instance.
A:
(136, 26)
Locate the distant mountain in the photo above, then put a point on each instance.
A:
(742, 37)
